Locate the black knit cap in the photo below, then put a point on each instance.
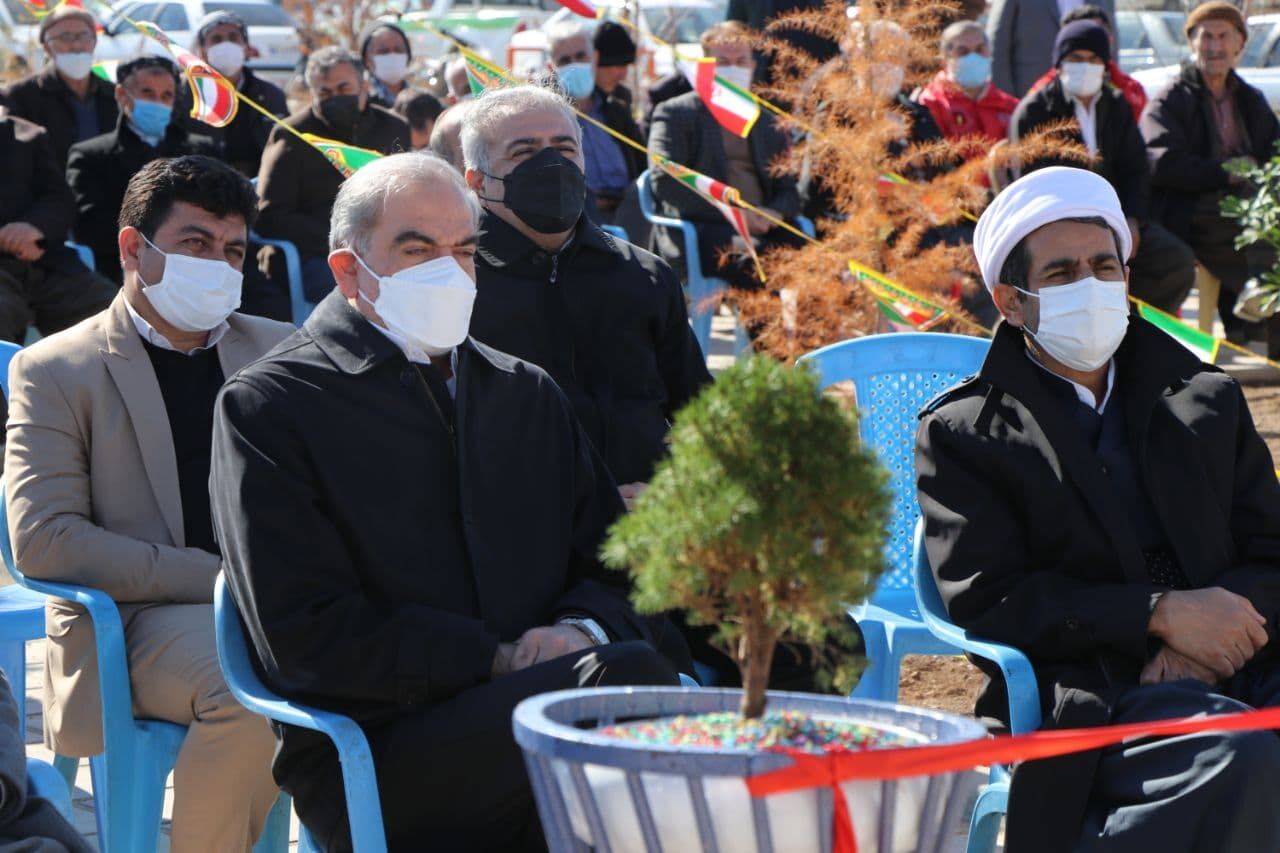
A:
(614, 44)
(372, 29)
(1082, 35)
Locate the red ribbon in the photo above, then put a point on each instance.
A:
(832, 768)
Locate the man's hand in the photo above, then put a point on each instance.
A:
(502, 659)
(757, 224)
(1215, 628)
(631, 492)
(1168, 665)
(1135, 232)
(539, 645)
(22, 240)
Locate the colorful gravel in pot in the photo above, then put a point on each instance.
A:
(777, 730)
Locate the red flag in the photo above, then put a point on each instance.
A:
(585, 8)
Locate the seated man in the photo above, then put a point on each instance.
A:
(69, 101)
(1126, 85)
(685, 131)
(1162, 268)
(961, 97)
(410, 522)
(99, 170)
(420, 110)
(615, 62)
(41, 280)
(446, 136)
(107, 471)
(297, 183)
(1100, 499)
(222, 40)
(386, 54)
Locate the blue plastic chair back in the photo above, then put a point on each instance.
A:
(364, 808)
(616, 231)
(85, 253)
(299, 307)
(7, 351)
(894, 376)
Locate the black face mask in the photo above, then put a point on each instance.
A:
(546, 192)
(340, 112)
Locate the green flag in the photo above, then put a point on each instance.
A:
(481, 75)
(347, 159)
(1201, 343)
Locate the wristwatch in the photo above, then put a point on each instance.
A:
(590, 627)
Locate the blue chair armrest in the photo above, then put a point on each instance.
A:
(85, 253)
(805, 224)
(44, 781)
(293, 270)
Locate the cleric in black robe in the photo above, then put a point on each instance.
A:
(410, 522)
(1100, 499)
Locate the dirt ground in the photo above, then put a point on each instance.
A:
(952, 684)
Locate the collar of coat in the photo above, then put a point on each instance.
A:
(1191, 76)
(173, 142)
(51, 81)
(505, 248)
(351, 342)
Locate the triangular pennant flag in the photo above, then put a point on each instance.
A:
(1203, 344)
(481, 75)
(39, 9)
(735, 109)
(213, 97)
(585, 8)
(347, 159)
(105, 70)
(905, 311)
(724, 197)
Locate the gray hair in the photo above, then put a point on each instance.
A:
(363, 196)
(495, 106)
(446, 136)
(959, 28)
(568, 29)
(324, 60)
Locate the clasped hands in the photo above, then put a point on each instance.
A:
(1207, 634)
(539, 645)
(22, 240)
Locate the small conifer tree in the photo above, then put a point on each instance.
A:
(767, 518)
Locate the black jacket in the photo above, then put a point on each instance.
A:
(99, 170)
(1182, 145)
(240, 143)
(378, 555)
(1031, 546)
(607, 320)
(1121, 151)
(618, 118)
(44, 99)
(35, 190)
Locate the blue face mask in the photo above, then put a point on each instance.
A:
(576, 79)
(973, 70)
(150, 118)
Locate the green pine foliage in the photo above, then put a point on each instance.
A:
(765, 520)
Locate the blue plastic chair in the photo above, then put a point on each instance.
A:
(616, 231)
(85, 253)
(129, 776)
(894, 376)
(299, 306)
(44, 781)
(1020, 684)
(364, 807)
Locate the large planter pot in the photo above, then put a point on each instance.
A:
(602, 793)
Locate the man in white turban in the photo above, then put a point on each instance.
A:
(1100, 499)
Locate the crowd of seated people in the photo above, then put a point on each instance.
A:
(169, 426)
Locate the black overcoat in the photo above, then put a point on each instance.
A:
(1031, 547)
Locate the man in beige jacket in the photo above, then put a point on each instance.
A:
(107, 466)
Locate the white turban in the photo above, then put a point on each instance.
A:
(1044, 196)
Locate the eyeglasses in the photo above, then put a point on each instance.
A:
(84, 37)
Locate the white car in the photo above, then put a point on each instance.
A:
(1150, 39)
(485, 28)
(272, 32)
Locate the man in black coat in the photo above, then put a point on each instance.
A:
(41, 280)
(99, 170)
(1100, 499)
(409, 521)
(1162, 268)
(1203, 119)
(66, 98)
(222, 40)
(606, 319)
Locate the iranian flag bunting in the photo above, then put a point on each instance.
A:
(724, 197)
(905, 311)
(735, 109)
(345, 158)
(1203, 344)
(585, 8)
(213, 97)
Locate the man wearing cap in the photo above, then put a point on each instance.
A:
(222, 40)
(1100, 499)
(1205, 118)
(1162, 267)
(615, 57)
(385, 51)
(66, 99)
(1022, 34)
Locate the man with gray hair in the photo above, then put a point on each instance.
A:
(297, 183)
(410, 522)
(446, 136)
(963, 101)
(606, 319)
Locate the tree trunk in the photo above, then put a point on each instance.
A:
(758, 644)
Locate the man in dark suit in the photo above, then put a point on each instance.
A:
(297, 183)
(41, 280)
(685, 131)
(472, 583)
(99, 169)
(222, 40)
(66, 98)
(1162, 268)
(1099, 498)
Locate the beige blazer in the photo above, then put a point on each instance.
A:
(92, 491)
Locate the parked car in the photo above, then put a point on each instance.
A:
(1150, 39)
(1263, 48)
(487, 29)
(272, 32)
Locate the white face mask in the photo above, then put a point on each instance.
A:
(1082, 79)
(1082, 323)
(226, 57)
(391, 68)
(429, 304)
(194, 294)
(735, 74)
(77, 66)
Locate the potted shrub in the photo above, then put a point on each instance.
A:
(764, 519)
